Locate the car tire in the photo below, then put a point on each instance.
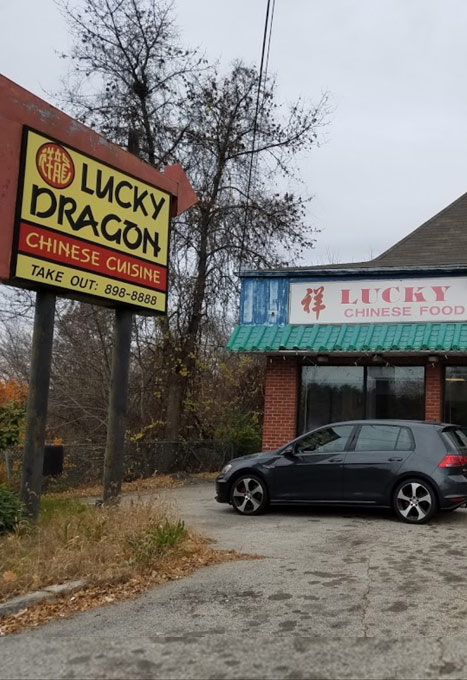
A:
(415, 501)
(249, 495)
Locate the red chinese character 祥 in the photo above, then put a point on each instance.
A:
(315, 296)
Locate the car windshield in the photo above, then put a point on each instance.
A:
(455, 437)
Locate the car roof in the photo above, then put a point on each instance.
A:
(386, 421)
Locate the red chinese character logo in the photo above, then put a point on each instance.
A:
(55, 165)
(314, 296)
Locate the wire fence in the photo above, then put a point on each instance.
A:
(84, 463)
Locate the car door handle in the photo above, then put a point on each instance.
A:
(336, 460)
(392, 459)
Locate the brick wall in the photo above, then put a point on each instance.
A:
(280, 401)
(434, 392)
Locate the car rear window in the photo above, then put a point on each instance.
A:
(404, 441)
(455, 437)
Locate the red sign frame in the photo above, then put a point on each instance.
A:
(21, 109)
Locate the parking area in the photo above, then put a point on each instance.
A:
(338, 594)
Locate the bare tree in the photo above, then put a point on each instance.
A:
(133, 79)
(242, 218)
(129, 73)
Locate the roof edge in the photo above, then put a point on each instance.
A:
(403, 240)
(378, 272)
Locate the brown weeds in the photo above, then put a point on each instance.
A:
(74, 540)
(120, 551)
(179, 564)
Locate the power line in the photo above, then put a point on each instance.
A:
(270, 34)
(262, 70)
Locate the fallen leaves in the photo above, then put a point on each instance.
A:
(209, 476)
(146, 484)
(196, 554)
(78, 541)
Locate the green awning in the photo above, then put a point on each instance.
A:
(407, 337)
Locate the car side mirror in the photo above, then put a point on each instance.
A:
(289, 450)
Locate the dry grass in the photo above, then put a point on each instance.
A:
(120, 551)
(194, 554)
(105, 546)
(211, 476)
(74, 540)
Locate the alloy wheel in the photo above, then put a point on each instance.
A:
(414, 502)
(248, 495)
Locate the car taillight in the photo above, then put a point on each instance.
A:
(453, 460)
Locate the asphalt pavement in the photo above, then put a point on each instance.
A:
(339, 594)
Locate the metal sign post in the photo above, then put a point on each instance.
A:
(118, 399)
(36, 413)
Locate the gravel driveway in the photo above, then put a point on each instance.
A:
(340, 594)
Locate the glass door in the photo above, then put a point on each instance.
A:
(396, 392)
(455, 395)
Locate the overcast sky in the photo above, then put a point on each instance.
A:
(396, 143)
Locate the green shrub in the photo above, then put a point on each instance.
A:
(243, 430)
(145, 546)
(11, 510)
(169, 534)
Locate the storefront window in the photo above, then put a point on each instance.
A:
(334, 393)
(330, 394)
(455, 395)
(396, 392)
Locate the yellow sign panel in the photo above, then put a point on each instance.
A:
(89, 221)
(80, 282)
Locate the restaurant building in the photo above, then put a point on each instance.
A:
(385, 338)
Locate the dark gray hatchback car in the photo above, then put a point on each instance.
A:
(415, 467)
